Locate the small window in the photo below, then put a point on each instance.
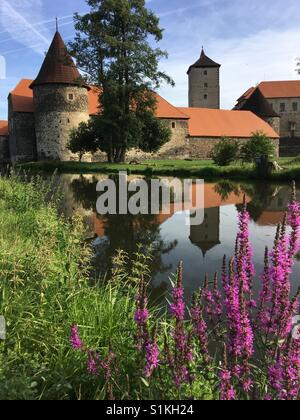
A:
(206, 85)
(71, 96)
(282, 107)
(295, 106)
(205, 97)
(205, 72)
(173, 125)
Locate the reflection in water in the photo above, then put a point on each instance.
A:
(200, 247)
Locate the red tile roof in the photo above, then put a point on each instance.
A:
(277, 89)
(58, 66)
(3, 128)
(22, 101)
(22, 97)
(217, 123)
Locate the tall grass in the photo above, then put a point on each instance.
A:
(44, 287)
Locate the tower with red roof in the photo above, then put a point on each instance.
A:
(60, 102)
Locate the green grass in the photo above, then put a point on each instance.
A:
(196, 168)
(45, 287)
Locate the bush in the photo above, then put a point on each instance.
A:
(225, 152)
(259, 145)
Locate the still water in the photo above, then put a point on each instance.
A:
(201, 248)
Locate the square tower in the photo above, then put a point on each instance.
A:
(204, 83)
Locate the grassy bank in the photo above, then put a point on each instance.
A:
(196, 168)
(45, 287)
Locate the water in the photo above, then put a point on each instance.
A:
(201, 248)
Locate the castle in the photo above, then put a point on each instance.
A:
(42, 112)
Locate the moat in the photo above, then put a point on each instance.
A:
(200, 247)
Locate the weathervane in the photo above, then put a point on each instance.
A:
(56, 20)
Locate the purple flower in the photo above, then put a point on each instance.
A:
(141, 316)
(152, 358)
(92, 363)
(75, 340)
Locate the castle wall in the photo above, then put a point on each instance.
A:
(201, 147)
(22, 140)
(4, 151)
(288, 115)
(197, 88)
(58, 109)
(176, 148)
(274, 122)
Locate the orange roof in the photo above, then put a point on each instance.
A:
(22, 101)
(3, 128)
(277, 89)
(217, 123)
(22, 97)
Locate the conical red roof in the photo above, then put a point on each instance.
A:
(204, 62)
(58, 66)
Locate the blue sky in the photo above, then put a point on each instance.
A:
(253, 40)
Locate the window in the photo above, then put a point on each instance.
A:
(71, 96)
(206, 85)
(173, 125)
(282, 107)
(205, 97)
(205, 72)
(295, 106)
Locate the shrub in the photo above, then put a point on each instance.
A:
(259, 145)
(225, 152)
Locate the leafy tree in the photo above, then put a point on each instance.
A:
(225, 152)
(112, 45)
(82, 139)
(259, 145)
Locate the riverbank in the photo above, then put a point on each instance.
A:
(181, 168)
(46, 287)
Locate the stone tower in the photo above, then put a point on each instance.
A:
(60, 98)
(204, 83)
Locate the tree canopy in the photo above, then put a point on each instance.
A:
(113, 45)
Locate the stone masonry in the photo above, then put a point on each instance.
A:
(201, 147)
(58, 110)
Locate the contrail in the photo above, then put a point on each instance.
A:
(19, 27)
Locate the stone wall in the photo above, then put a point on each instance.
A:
(274, 122)
(201, 147)
(4, 151)
(22, 141)
(288, 115)
(201, 84)
(58, 109)
(176, 148)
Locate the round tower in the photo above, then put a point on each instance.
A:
(60, 98)
(204, 83)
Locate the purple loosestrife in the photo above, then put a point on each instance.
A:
(200, 327)
(152, 354)
(227, 391)
(75, 340)
(141, 317)
(244, 266)
(182, 341)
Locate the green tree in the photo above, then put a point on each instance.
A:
(113, 46)
(225, 152)
(259, 145)
(83, 139)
